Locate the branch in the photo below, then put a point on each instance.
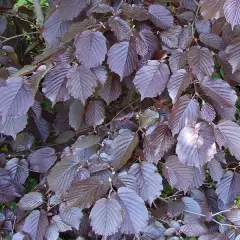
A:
(39, 12)
(20, 35)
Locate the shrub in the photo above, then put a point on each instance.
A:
(125, 126)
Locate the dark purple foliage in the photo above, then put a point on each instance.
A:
(127, 121)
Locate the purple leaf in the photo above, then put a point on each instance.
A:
(207, 112)
(124, 179)
(219, 91)
(71, 216)
(39, 128)
(76, 113)
(91, 48)
(54, 84)
(135, 214)
(201, 62)
(234, 216)
(59, 225)
(211, 9)
(170, 37)
(152, 79)
(36, 224)
(42, 159)
(13, 125)
(121, 148)
(228, 188)
(31, 201)
(177, 60)
(178, 83)
(135, 11)
(69, 9)
(120, 28)
(158, 140)
(111, 90)
(216, 170)
(203, 26)
(62, 175)
(81, 83)
(148, 118)
(178, 175)
(101, 8)
(185, 38)
(228, 134)
(232, 12)
(18, 169)
(95, 113)
(184, 112)
(194, 229)
(87, 193)
(16, 98)
(149, 181)
(101, 74)
(22, 142)
(196, 145)
(233, 51)
(106, 217)
(54, 29)
(160, 16)
(188, 4)
(122, 58)
(212, 40)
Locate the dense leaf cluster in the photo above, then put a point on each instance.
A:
(127, 121)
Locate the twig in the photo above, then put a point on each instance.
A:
(39, 12)
(20, 35)
(224, 224)
(219, 213)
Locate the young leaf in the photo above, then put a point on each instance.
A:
(36, 224)
(178, 83)
(121, 148)
(16, 98)
(31, 201)
(201, 62)
(91, 48)
(149, 181)
(106, 217)
(152, 79)
(184, 112)
(18, 169)
(111, 90)
(219, 90)
(62, 175)
(178, 175)
(228, 188)
(207, 112)
(122, 58)
(81, 83)
(42, 159)
(196, 145)
(120, 28)
(160, 16)
(135, 214)
(95, 113)
(87, 193)
(54, 84)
